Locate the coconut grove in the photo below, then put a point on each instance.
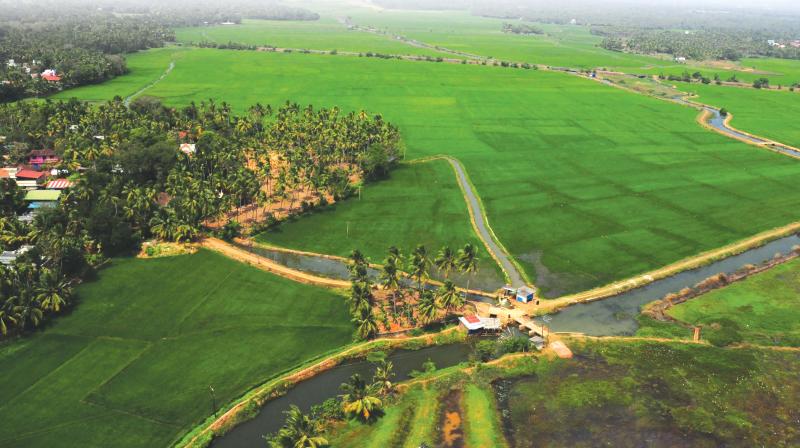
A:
(330, 224)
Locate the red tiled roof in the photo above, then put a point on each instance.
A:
(472, 319)
(52, 78)
(30, 174)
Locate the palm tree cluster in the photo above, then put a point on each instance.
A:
(39, 282)
(131, 182)
(361, 299)
(429, 302)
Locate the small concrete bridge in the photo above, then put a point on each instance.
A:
(512, 316)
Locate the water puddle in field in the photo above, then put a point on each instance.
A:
(616, 316)
(326, 385)
(339, 269)
(450, 421)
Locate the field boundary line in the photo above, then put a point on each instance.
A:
(468, 189)
(129, 98)
(301, 373)
(268, 265)
(669, 270)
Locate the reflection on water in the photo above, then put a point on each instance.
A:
(617, 315)
(484, 280)
(326, 385)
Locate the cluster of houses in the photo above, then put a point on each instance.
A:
(42, 188)
(775, 43)
(42, 185)
(49, 75)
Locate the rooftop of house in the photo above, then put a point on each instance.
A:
(43, 195)
(29, 174)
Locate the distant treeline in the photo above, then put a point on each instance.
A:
(699, 44)
(81, 50)
(46, 46)
(521, 29)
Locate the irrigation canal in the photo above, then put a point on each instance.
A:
(326, 385)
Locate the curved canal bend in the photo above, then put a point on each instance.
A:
(717, 121)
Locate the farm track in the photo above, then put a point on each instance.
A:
(129, 98)
(480, 223)
(268, 265)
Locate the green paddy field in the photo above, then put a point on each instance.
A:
(763, 309)
(433, 213)
(583, 183)
(131, 366)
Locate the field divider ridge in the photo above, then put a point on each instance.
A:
(669, 270)
(514, 274)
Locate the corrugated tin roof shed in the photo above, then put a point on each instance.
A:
(43, 195)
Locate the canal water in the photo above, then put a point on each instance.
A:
(326, 385)
(616, 316)
(337, 269)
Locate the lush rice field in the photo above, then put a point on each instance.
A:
(420, 204)
(131, 366)
(764, 309)
(583, 183)
(145, 68)
(325, 34)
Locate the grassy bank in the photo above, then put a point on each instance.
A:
(763, 309)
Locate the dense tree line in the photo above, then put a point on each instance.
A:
(81, 50)
(699, 45)
(521, 29)
(131, 182)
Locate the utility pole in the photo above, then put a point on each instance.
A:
(213, 400)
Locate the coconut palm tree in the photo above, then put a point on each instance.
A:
(382, 380)
(358, 401)
(419, 265)
(448, 296)
(53, 291)
(365, 322)
(7, 320)
(390, 278)
(299, 431)
(468, 261)
(446, 261)
(428, 308)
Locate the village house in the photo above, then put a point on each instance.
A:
(480, 325)
(39, 158)
(27, 178)
(8, 257)
(188, 148)
(50, 75)
(42, 198)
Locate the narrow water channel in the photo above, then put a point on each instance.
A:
(337, 269)
(326, 385)
(616, 316)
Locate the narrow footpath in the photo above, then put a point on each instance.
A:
(129, 98)
(481, 224)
